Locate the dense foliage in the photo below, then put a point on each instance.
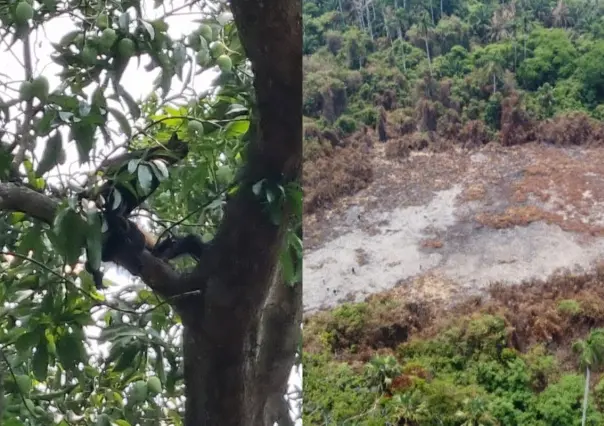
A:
(466, 375)
(517, 358)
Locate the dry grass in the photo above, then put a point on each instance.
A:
(568, 186)
(340, 172)
(431, 243)
(531, 310)
(362, 257)
(515, 216)
(474, 192)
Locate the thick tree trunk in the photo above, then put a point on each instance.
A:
(237, 357)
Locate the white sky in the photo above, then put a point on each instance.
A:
(137, 81)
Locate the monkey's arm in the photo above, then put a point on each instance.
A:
(173, 247)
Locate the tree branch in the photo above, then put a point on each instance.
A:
(156, 273)
(19, 198)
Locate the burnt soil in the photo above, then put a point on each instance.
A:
(442, 227)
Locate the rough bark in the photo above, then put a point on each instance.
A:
(225, 364)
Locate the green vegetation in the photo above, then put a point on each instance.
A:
(430, 75)
(461, 375)
(519, 358)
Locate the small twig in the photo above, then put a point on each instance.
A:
(14, 376)
(70, 282)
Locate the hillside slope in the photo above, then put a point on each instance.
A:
(450, 144)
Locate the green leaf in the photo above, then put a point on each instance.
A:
(83, 134)
(145, 177)
(65, 116)
(124, 21)
(236, 109)
(224, 175)
(122, 121)
(45, 124)
(159, 363)
(70, 230)
(71, 352)
(236, 128)
(98, 98)
(270, 196)
(162, 170)
(17, 217)
(295, 198)
(257, 188)
(117, 199)
(287, 265)
(133, 107)
(52, 155)
(179, 56)
(84, 108)
(103, 420)
(127, 358)
(40, 360)
(27, 341)
(6, 159)
(24, 383)
(166, 81)
(133, 165)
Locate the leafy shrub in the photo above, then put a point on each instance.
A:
(542, 367)
(569, 307)
(368, 116)
(346, 124)
(333, 40)
(333, 392)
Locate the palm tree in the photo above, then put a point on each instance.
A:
(425, 28)
(560, 14)
(475, 412)
(500, 26)
(527, 27)
(591, 352)
(493, 69)
(409, 407)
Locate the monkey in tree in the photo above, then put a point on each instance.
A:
(121, 193)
